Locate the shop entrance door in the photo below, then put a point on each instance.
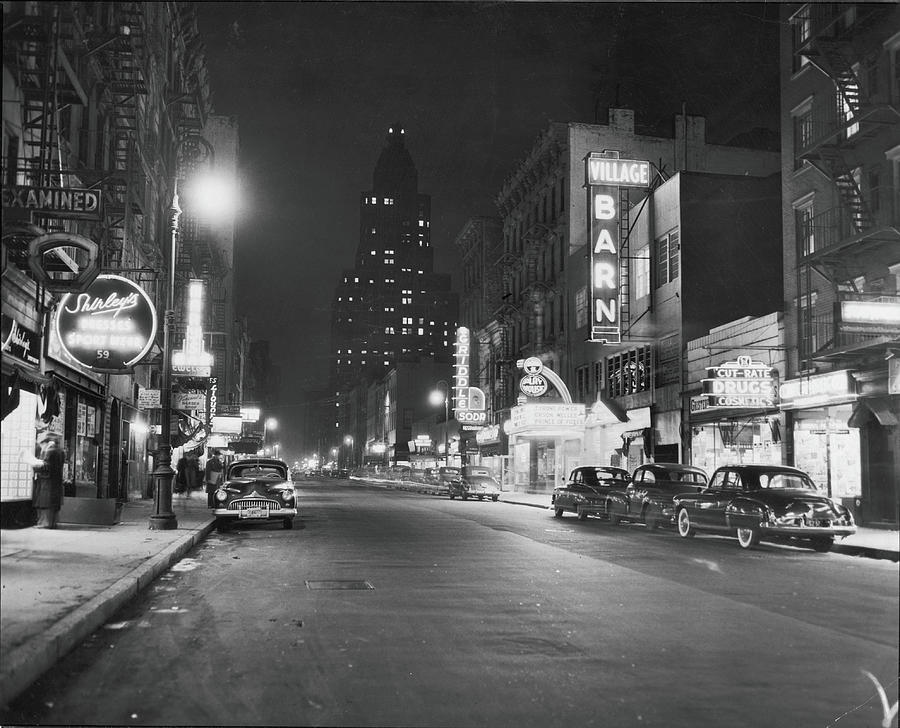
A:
(878, 483)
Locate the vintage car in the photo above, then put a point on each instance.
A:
(591, 490)
(764, 502)
(649, 497)
(255, 490)
(474, 482)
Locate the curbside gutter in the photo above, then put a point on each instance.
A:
(25, 664)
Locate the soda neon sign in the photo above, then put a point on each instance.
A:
(468, 402)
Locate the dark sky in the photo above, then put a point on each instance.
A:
(315, 86)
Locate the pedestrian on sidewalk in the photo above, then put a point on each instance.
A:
(212, 477)
(191, 473)
(47, 494)
(180, 477)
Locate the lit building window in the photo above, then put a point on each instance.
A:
(642, 273)
(581, 307)
(421, 331)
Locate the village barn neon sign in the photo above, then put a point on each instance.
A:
(108, 328)
(468, 402)
(605, 174)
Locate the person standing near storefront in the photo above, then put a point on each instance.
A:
(47, 495)
(213, 476)
(191, 473)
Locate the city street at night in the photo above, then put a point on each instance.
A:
(383, 607)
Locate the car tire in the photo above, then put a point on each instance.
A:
(685, 527)
(495, 498)
(582, 516)
(288, 523)
(748, 537)
(558, 512)
(822, 545)
(452, 497)
(464, 496)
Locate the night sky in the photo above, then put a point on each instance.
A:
(315, 86)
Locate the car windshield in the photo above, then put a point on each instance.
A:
(271, 472)
(785, 481)
(600, 475)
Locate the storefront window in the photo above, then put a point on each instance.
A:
(18, 436)
(829, 450)
(87, 450)
(736, 442)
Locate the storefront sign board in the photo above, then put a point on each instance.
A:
(20, 341)
(70, 201)
(818, 389)
(110, 327)
(544, 417)
(149, 399)
(743, 383)
(868, 317)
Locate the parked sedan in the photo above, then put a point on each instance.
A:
(591, 490)
(474, 482)
(764, 502)
(649, 497)
(255, 490)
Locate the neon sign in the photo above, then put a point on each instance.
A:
(605, 173)
(468, 402)
(108, 328)
(741, 383)
(193, 360)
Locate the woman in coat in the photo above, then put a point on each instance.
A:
(47, 495)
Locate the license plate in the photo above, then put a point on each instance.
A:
(255, 513)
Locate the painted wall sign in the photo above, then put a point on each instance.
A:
(20, 341)
(740, 383)
(73, 202)
(108, 328)
(469, 406)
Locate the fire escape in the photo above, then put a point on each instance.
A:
(858, 235)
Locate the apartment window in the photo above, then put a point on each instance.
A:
(668, 251)
(805, 232)
(629, 372)
(809, 334)
(581, 307)
(642, 273)
(802, 28)
(802, 121)
(582, 384)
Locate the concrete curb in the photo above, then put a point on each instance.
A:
(25, 664)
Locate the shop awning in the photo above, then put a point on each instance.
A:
(606, 411)
(879, 408)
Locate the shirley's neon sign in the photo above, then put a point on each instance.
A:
(108, 328)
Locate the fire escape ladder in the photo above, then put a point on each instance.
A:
(624, 260)
(125, 84)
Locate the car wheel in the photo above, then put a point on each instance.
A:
(465, 497)
(685, 527)
(822, 545)
(495, 498)
(748, 537)
(582, 516)
(288, 523)
(651, 518)
(558, 512)
(452, 497)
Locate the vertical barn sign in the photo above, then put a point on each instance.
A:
(605, 173)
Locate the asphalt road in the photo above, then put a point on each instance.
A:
(388, 608)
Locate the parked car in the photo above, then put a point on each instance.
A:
(446, 475)
(764, 502)
(474, 482)
(649, 497)
(591, 490)
(255, 490)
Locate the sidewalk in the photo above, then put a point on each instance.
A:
(59, 586)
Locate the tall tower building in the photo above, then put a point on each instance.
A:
(391, 306)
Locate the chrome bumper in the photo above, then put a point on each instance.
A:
(273, 513)
(807, 531)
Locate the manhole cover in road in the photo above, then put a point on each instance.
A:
(338, 584)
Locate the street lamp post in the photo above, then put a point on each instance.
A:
(348, 441)
(436, 397)
(162, 518)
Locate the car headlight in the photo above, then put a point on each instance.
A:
(221, 495)
(287, 495)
